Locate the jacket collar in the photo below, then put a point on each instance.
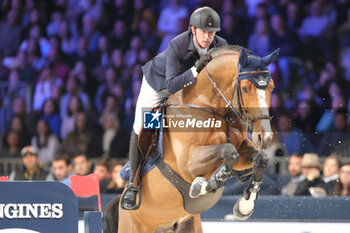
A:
(192, 47)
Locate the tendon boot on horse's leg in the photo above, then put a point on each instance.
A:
(244, 207)
(201, 186)
(128, 200)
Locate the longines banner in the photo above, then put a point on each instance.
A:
(45, 207)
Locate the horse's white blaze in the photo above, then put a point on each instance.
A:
(263, 107)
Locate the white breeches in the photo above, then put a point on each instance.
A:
(148, 99)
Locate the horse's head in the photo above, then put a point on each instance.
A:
(254, 87)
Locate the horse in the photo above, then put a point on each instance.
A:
(233, 88)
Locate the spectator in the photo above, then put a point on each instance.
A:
(312, 184)
(112, 142)
(149, 37)
(339, 133)
(119, 38)
(105, 89)
(102, 169)
(35, 33)
(88, 83)
(120, 10)
(259, 41)
(293, 15)
(315, 32)
(81, 52)
(45, 141)
(43, 88)
(79, 139)
(53, 27)
(74, 88)
(294, 168)
(102, 54)
(342, 188)
(131, 55)
(68, 42)
(16, 99)
(62, 169)
(26, 70)
(111, 106)
(82, 165)
(10, 33)
(288, 59)
(74, 107)
(57, 58)
(232, 31)
(18, 125)
(34, 59)
(31, 169)
(17, 88)
(291, 137)
(11, 147)
(327, 119)
(89, 30)
(331, 168)
(50, 113)
(116, 185)
(169, 16)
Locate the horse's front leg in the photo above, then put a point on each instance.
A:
(203, 160)
(244, 207)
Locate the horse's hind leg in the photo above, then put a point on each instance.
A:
(200, 186)
(244, 207)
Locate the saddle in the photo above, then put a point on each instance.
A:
(148, 139)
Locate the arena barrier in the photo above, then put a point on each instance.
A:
(42, 206)
(278, 208)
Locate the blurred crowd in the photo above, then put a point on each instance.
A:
(70, 70)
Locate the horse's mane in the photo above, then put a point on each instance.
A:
(206, 58)
(237, 48)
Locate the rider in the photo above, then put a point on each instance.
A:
(169, 72)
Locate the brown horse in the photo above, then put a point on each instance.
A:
(233, 88)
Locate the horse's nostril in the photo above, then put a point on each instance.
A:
(259, 137)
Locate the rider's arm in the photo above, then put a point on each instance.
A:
(175, 80)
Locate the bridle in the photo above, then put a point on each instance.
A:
(241, 113)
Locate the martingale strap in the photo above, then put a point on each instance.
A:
(191, 205)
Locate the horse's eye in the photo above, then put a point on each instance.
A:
(245, 89)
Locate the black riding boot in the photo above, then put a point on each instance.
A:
(128, 200)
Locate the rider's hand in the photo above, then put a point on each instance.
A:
(190, 59)
(202, 62)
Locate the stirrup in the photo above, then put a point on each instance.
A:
(131, 189)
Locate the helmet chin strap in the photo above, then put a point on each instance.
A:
(195, 38)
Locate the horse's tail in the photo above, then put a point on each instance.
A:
(111, 216)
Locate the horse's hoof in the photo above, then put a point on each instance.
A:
(243, 209)
(198, 187)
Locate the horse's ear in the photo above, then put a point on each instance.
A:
(243, 58)
(270, 58)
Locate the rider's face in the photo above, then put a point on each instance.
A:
(202, 38)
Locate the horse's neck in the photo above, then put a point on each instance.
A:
(223, 70)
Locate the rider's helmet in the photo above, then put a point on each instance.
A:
(205, 18)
